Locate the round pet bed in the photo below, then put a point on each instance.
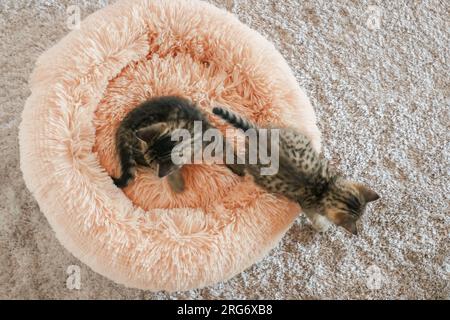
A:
(146, 236)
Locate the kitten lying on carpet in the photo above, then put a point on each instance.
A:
(144, 138)
(303, 176)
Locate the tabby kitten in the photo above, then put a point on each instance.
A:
(303, 176)
(144, 138)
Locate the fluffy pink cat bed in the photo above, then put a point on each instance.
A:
(145, 236)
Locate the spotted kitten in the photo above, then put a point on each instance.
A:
(144, 138)
(305, 177)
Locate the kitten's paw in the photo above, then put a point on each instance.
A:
(320, 223)
(177, 187)
(120, 183)
(176, 183)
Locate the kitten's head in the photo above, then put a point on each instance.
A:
(345, 202)
(156, 144)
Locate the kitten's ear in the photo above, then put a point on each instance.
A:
(166, 168)
(368, 194)
(350, 226)
(147, 133)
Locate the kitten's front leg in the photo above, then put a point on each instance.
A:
(319, 222)
(236, 166)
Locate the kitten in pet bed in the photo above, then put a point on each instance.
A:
(144, 138)
(305, 177)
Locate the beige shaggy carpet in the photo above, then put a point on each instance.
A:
(377, 75)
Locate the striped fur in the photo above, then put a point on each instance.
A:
(232, 118)
(144, 136)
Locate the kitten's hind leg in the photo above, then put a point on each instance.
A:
(127, 166)
(126, 177)
(176, 181)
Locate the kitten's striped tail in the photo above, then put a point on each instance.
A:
(232, 118)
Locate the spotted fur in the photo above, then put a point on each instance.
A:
(305, 177)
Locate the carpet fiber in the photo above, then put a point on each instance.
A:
(377, 78)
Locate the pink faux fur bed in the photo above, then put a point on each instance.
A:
(146, 236)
